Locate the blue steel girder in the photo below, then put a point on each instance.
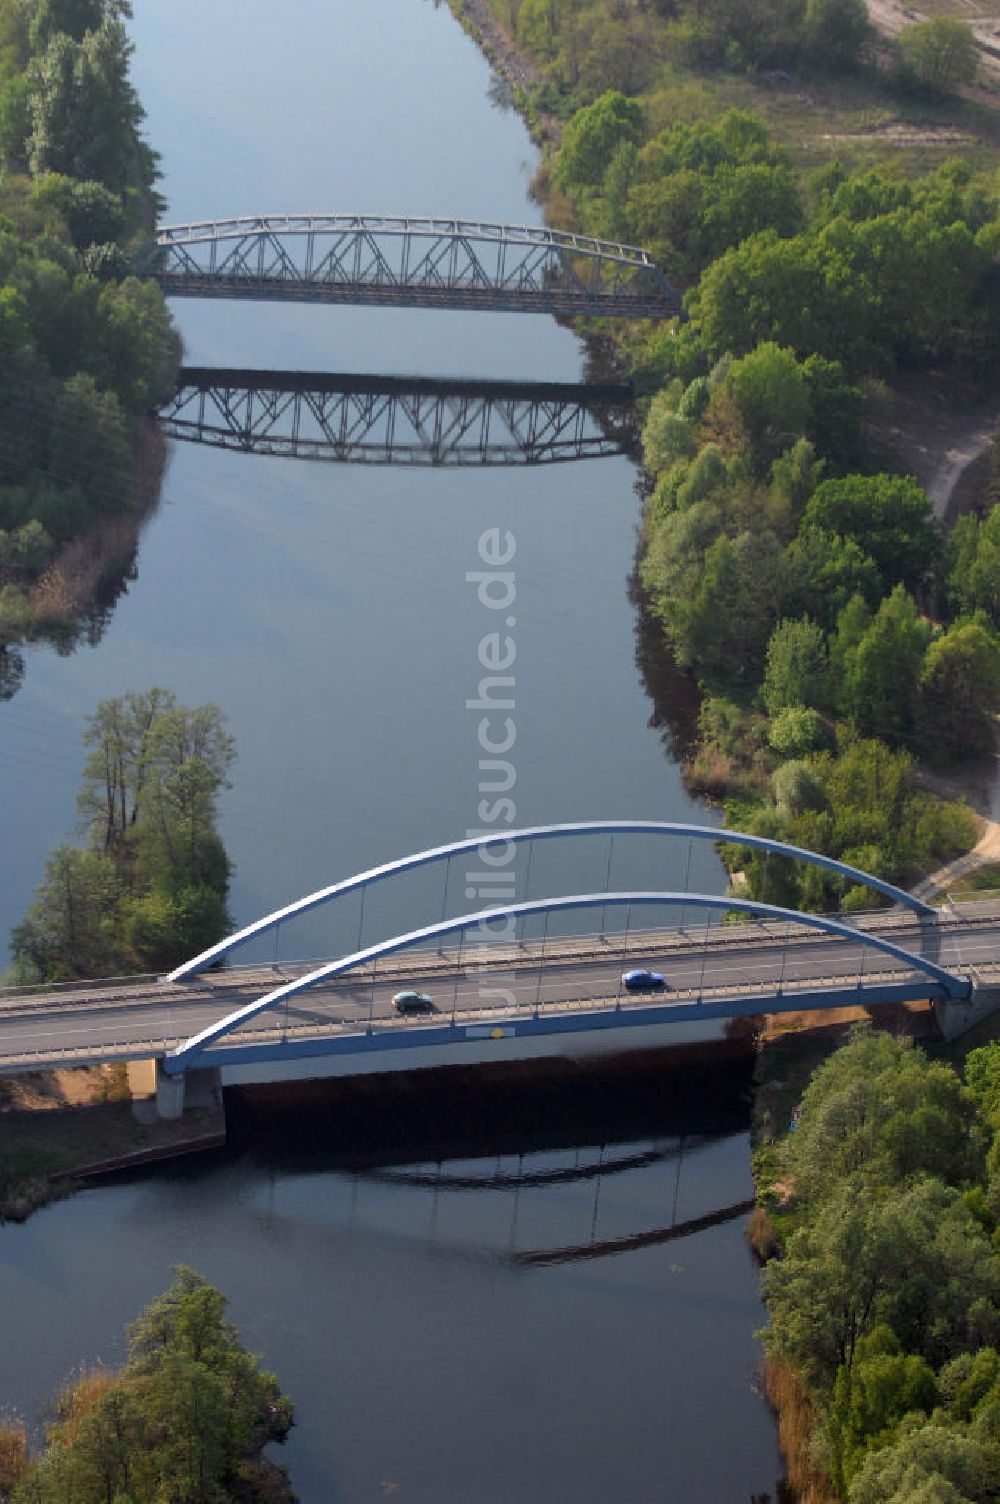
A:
(952, 986)
(666, 828)
(408, 260)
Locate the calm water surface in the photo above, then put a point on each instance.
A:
(327, 611)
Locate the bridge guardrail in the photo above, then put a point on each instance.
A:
(330, 1028)
(108, 993)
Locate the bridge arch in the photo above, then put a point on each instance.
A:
(408, 261)
(435, 854)
(186, 1054)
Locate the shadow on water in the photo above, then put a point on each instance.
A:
(370, 419)
(367, 1123)
(675, 697)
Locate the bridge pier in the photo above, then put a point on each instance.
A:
(957, 1016)
(169, 1093)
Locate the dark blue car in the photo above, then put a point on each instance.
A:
(641, 980)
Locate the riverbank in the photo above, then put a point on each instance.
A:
(59, 1128)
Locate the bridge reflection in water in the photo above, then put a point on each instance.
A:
(596, 1164)
(527, 1164)
(398, 420)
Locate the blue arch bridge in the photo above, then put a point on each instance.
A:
(507, 976)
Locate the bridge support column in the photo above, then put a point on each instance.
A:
(955, 1018)
(169, 1093)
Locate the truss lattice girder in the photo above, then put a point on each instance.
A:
(458, 425)
(411, 261)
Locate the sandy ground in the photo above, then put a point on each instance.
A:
(48, 1091)
(891, 17)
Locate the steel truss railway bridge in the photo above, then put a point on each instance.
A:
(495, 989)
(408, 262)
(397, 420)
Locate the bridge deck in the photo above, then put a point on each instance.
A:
(408, 262)
(721, 972)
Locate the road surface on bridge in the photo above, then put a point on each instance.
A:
(147, 1017)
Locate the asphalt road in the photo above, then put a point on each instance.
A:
(146, 1018)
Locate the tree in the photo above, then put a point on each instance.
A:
(871, 1398)
(726, 628)
(795, 731)
(888, 516)
(824, 573)
(796, 787)
(940, 54)
(70, 929)
(910, 1258)
(960, 692)
(930, 1463)
(879, 688)
(592, 137)
(972, 561)
(84, 112)
(835, 32)
(666, 436)
(797, 671)
(878, 1111)
(773, 398)
(180, 1422)
(116, 775)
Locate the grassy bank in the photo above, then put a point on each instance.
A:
(57, 1125)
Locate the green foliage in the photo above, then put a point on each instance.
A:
(940, 54)
(592, 137)
(868, 290)
(666, 435)
(870, 816)
(889, 518)
(878, 1112)
(835, 33)
(772, 394)
(960, 692)
(795, 731)
(797, 672)
(69, 931)
(796, 787)
(930, 1463)
(880, 677)
(909, 1258)
(85, 349)
(151, 889)
(824, 573)
(870, 1399)
(982, 1079)
(181, 1422)
(699, 188)
(972, 564)
(84, 113)
(726, 628)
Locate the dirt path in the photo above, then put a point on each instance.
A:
(953, 463)
(891, 17)
(981, 786)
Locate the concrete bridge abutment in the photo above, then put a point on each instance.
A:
(957, 1016)
(170, 1092)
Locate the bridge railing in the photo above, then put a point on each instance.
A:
(410, 261)
(945, 982)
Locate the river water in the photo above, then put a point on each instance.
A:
(327, 610)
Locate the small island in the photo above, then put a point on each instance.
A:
(188, 1417)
